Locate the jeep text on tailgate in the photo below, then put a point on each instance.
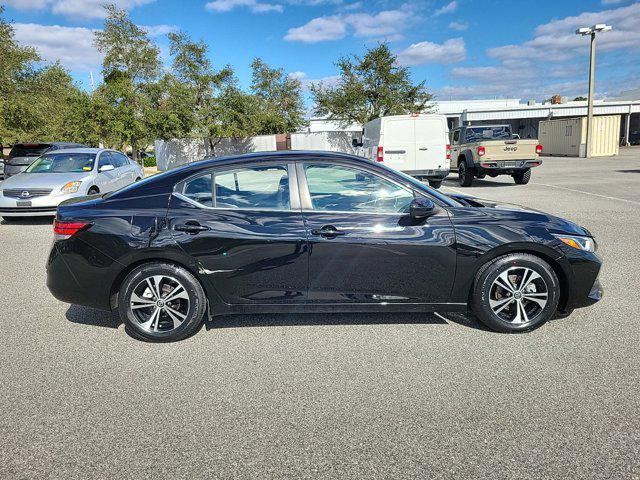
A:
(481, 150)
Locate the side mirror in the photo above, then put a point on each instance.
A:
(356, 143)
(421, 208)
(106, 168)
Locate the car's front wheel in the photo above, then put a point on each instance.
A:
(515, 292)
(161, 302)
(435, 183)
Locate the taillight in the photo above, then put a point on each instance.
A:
(64, 230)
(448, 152)
(380, 156)
(538, 149)
(481, 151)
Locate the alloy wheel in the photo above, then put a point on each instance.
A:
(159, 303)
(518, 295)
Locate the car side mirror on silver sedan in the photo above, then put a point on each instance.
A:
(421, 208)
(106, 168)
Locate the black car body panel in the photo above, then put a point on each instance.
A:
(270, 261)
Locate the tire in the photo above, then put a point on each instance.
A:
(522, 308)
(93, 191)
(174, 320)
(465, 174)
(522, 178)
(435, 183)
(138, 179)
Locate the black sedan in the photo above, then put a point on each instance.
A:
(312, 232)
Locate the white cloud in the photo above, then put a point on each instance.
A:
(222, 6)
(318, 30)
(159, 30)
(388, 22)
(554, 60)
(385, 25)
(306, 82)
(448, 8)
(460, 26)
(451, 51)
(72, 46)
(75, 8)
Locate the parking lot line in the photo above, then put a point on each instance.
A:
(587, 193)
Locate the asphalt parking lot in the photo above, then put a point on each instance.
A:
(335, 396)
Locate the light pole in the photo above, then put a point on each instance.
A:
(591, 31)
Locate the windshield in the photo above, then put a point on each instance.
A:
(28, 150)
(487, 133)
(63, 163)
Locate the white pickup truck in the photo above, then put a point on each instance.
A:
(480, 150)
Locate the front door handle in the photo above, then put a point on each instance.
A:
(191, 227)
(327, 231)
(423, 148)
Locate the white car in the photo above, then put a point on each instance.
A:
(416, 144)
(60, 175)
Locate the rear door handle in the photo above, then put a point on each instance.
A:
(191, 227)
(424, 148)
(328, 231)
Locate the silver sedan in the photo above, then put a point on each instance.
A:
(60, 175)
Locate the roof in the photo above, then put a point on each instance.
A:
(279, 154)
(83, 150)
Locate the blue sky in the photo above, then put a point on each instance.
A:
(461, 48)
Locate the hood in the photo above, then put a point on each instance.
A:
(511, 212)
(42, 180)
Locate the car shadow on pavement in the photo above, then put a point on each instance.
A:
(93, 317)
(100, 318)
(28, 221)
(316, 319)
(450, 182)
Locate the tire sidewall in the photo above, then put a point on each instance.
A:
(197, 302)
(487, 276)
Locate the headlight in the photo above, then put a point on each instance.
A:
(587, 244)
(71, 187)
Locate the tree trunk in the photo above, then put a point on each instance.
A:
(134, 150)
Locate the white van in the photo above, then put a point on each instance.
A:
(417, 144)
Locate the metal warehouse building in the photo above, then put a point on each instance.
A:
(524, 118)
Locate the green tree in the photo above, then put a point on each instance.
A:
(35, 99)
(580, 99)
(130, 66)
(369, 87)
(279, 97)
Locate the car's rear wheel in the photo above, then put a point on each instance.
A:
(465, 174)
(515, 292)
(93, 191)
(522, 178)
(161, 302)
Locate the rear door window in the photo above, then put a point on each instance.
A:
(264, 187)
(249, 188)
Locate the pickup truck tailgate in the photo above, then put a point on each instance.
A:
(510, 150)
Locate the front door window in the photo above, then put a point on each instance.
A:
(334, 188)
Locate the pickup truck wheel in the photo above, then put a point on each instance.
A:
(465, 174)
(522, 178)
(435, 183)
